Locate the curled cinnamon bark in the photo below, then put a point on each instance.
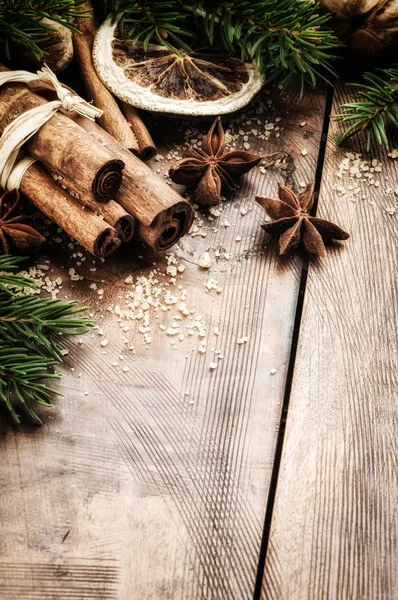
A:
(146, 145)
(92, 232)
(112, 213)
(162, 215)
(118, 218)
(163, 235)
(107, 181)
(89, 168)
(112, 119)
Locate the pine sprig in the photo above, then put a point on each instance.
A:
(11, 263)
(375, 109)
(21, 21)
(285, 37)
(29, 327)
(162, 22)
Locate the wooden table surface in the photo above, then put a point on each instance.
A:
(273, 476)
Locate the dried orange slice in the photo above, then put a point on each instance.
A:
(204, 82)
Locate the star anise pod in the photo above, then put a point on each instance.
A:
(212, 170)
(293, 223)
(14, 234)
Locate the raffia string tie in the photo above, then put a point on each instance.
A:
(28, 123)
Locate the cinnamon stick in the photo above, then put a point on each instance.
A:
(113, 214)
(147, 148)
(161, 236)
(112, 119)
(90, 168)
(162, 215)
(92, 232)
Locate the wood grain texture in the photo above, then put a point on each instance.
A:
(334, 528)
(167, 495)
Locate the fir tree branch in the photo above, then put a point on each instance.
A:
(29, 326)
(11, 263)
(285, 37)
(376, 108)
(21, 20)
(150, 22)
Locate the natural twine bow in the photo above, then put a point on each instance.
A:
(28, 123)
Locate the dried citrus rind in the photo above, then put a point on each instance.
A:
(198, 84)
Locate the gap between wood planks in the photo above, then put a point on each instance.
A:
(292, 359)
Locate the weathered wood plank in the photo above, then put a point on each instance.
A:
(138, 490)
(334, 527)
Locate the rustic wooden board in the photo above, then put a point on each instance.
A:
(136, 490)
(334, 528)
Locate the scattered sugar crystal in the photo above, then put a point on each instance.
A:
(205, 261)
(172, 270)
(356, 172)
(211, 284)
(215, 212)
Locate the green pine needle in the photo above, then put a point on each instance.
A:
(375, 109)
(286, 37)
(29, 327)
(20, 20)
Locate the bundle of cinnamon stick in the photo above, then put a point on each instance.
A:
(106, 192)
